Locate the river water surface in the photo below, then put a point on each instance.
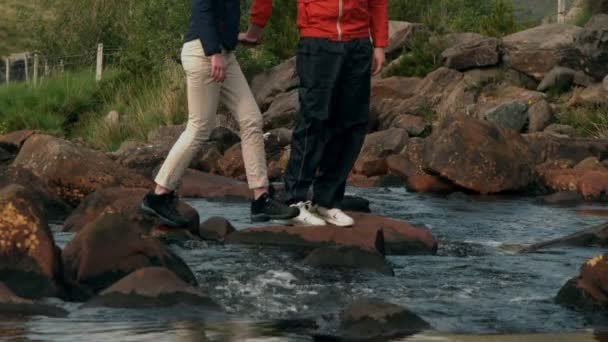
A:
(475, 289)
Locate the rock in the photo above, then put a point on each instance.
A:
(596, 236)
(547, 147)
(142, 159)
(479, 53)
(588, 290)
(504, 96)
(540, 116)
(280, 79)
(283, 110)
(125, 202)
(151, 287)
(591, 163)
(378, 146)
(558, 78)
(562, 198)
(369, 319)
(12, 142)
(14, 306)
(232, 164)
(5, 155)
(605, 83)
(400, 34)
(450, 40)
(370, 232)
(166, 135)
(216, 229)
(594, 95)
(479, 156)
(30, 263)
(72, 172)
(356, 204)
(276, 141)
(538, 50)
(511, 115)
(112, 118)
(196, 184)
(208, 159)
(425, 183)
(559, 129)
(387, 95)
(111, 247)
(593, 46)
(401, 166)
(414, 125)
(591, 184)
(276, 168)
(224, 138)
(348, 257)
(54, 209)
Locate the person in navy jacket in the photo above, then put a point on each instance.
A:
(214, 75)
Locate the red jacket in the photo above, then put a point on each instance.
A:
(337, 20)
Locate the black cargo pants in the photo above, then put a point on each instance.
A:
(335, 82)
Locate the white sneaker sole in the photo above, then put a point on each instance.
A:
(339, 224)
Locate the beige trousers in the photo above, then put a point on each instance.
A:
(204, 96)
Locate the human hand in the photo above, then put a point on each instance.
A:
(218, 67)
(253, 36)
(379, 60)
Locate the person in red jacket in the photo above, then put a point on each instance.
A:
(335, 60)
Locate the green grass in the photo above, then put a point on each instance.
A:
(589, 121)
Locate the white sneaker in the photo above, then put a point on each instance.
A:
(335, 216)
(306, 217)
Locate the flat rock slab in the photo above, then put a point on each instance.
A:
(370, 232)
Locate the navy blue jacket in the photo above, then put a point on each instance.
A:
(215, 23)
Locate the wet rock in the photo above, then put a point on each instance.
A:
(348, 257)
(593, 236)
(511, 115)
(12, 142)
(540, 116)
(125, 202)
(72, 172)
(354, 203)
(110, 248)
(283, 110)
(14, 306)
(425, 183)
(378, 146)
(588, 290)
(400, 35)
(278, 80)
(547, 147)
(30, 263)
(370, 319)
(592, 184)
(216, 229)
(559, 78)
(482, 52)
(538, 50)
(232, 164)
(196, 184)
(370, 232)
(224, 138)
(479, 156)
(151, 287)
(562, 198)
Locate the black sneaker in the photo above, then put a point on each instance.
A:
(266, 208)
(164, 208)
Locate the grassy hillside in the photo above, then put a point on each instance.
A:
(13, 36)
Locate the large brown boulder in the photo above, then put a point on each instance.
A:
(378, 146)
(588, 290)
(13, 141)
(151, 287)
(30, 263)
(371, 320)
(124, 201)
(111, 247)
(232, 164)
(479, 156)
(400, 34)
(72, 172)
(370, 233)
(15, 306)
(478, 53)
(216, 229)
(283, 111)
(590, 183)
(280, 79)
(538, 50)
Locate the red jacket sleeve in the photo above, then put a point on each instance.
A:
(378, 10)
(260, 12)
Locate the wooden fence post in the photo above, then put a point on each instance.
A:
(36, 65)
(46, 67)
(99, 62)
(8, 70)
(27, 69)
(561, 11)
(61, 66)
